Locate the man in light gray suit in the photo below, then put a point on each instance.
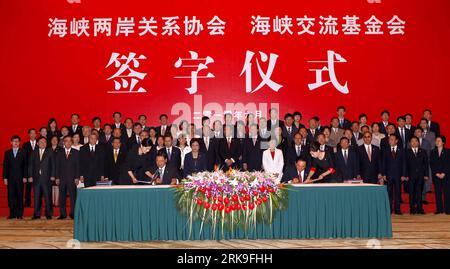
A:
(427, 143)
(336, 133)
(427, 134)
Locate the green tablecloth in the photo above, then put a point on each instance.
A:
(146, 214)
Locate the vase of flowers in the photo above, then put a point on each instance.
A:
(230, 200)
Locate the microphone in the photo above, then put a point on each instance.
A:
(156, 175)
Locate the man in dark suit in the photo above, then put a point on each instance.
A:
(41, 171)
(323, 144)
(173, 154)
(432, 125)
(14, 176)
(296, 150)
(123, 139)
(97, 125)
(115, 164)
(384, 143)
(274, 120)
(343, 122)
(75, 127)
(92, 162)
(135, 139)
(394, 170)
(305, 136)
(346, 161)
(117, 121)
(229, 150)
(409, 125)
(417, 171)
(67, 176)
(252, 152)
(385, 114)
(403, 133)
(164, 128)
(296, 173)
(369, 160)
(106, 137)
(209, 146)
(142, 119)
(164, 173)
(289, 129)
(28, 148)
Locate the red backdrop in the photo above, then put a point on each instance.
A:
(43, 77)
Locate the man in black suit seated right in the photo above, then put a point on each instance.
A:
(296, 173)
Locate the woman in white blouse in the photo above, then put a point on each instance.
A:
(376, 135)
(184, 147)
(273, 160)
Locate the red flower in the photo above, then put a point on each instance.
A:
(227, 210)
(264, 199)
(247, 197)
(244, 191)
(242, 199)
(220, 199)
(226, 200)
(214, 207)
(262, 189)
(237, 207)
(251, 206)
(244, 207)
(221, 206)
(259, 201)
(234, 198)
(208, 196)
(255, 193)
(199, 201)
(207, 205)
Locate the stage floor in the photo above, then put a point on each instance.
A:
(427, 231)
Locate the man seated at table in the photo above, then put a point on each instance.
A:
(296, 173)
(163, 173)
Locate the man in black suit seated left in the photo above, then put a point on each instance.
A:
(164, 173)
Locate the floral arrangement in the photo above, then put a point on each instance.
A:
(231, 199)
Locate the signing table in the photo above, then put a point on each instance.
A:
(147, 213)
